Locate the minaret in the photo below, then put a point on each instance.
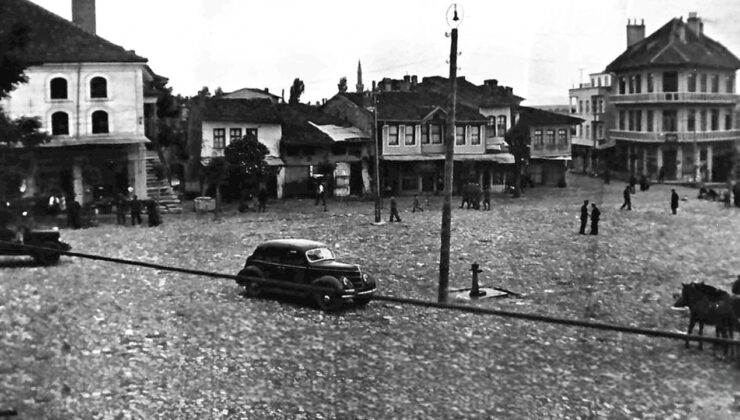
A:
(360, 87)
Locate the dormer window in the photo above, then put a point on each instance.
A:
(100, 122)
(58, 88)
(98, 88)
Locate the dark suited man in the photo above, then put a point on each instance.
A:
(595, 215)
(627, 198)
(674, 201)
(584, 217)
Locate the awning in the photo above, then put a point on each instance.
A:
(505, 158)
(338, 133)
(98, 140)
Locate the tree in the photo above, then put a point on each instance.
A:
(218, 92)
(296, 91)
(204, 92)
(342, 86)
(12, 65)
(518, 139)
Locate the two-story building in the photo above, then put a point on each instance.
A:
(89, 94)
(590, 102)
(675, 103)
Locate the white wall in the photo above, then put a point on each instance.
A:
(124, 104)
(267, 134)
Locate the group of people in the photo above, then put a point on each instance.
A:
(630, 189)
(472, 193)
(134, 207)
(595, 216)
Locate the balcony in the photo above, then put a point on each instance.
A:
(675, 98)
(536, 151)
(676, 137)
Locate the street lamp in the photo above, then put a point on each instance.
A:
(454, 18)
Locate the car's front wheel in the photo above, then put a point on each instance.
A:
(328, 300)
(252, 288)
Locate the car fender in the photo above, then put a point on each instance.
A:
(330, 281)
(254, 270)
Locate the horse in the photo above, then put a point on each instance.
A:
(708, 305)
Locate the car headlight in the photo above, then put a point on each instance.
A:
(345, 281)
(365, 278)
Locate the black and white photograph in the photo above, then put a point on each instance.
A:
(335, 210)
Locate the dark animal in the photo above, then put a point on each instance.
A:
(708, 305)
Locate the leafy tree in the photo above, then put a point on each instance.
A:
(204, 92)
(296, 91)
(12, 65)
(342, 86)
(218, 92)
(518, 139)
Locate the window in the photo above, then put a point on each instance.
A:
(731, 83)
(425, 134)
(650, 118)
(410, 136)
(638, 83)
(235, 134)
(650, 82)
(669, 121)
(538, 137)
(728, 122)
(630, 120)
(715, 83)
(587, 106)
(670, 81)
(638, 120)
(580, 107)
(601, 105)
(475, 134)
(59, 124)
(501, 129)
(251, 133)
(715, 119)
(563, 136)
(703, 114)
(393, 135)
(99, 122)
(460, 135)
(588, 133)
(436, 130)
(58, 88)
(621, 119)
(98, 87)
(491, 129)
(600, 131)
(691, 81)
(219, 138)
(632, 84)
(691, 120)
(622, 83)
(551, 136)
(703, 82)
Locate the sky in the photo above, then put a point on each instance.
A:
(539, 47)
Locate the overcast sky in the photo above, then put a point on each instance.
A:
(536, 46)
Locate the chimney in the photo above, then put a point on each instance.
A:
(406, 83)
(492, 83)
(695, 24)
(414, 80)
(83, 14)
(267, 90)
(509, 90)
(373, 85)
(635, 32)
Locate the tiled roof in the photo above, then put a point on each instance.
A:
(241, 110)
(53, 39)
(297, 127)
(414, 106)
(665, 47)
(470, 94)
(250, 93)
(532, 117)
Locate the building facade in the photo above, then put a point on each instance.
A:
(590, 102)
(675, 101)
(91, 97)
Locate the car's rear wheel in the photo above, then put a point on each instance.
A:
(252, 288)
(328, 300)
(48, 257)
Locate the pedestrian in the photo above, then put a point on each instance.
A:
(417, 205)
(394, 210)
(121, 210)
(644, 184)
(465, 195)
(320, 195)
(595, 215)
(262, 200)
(70, 212)
(674, 201)
(152, 213)
(584, 217)
(76, 214)
(135, 209)
(627, 194)
(487, 198)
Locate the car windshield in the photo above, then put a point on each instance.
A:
(319, 254)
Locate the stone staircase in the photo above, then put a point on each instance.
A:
(160, 189)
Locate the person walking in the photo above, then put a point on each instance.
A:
(394, 210)
(121, 210)
(320, 195)
(262, 200)
(487, 198)
(595, 215)
(152, 213)
(584, 217)
(674, 201)
(417, 205)
(627, 194)
(135, 211)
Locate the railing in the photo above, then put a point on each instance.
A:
(675, 97)
(677, 137)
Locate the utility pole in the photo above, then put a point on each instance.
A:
(444, 251)
(378, 202)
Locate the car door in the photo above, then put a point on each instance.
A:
(293, 265)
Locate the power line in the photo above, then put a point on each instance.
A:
(602, 326)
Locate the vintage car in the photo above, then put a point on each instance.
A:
(18, 230)
(305, 262)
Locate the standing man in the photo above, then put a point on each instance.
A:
(121, 210)
(320, 195)
(627, 198)
(487, 198)
(417, 205)
(595, 214)
(584, 217)
(394, 210)
(262, 200)
(135, 211)
(674, 201)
